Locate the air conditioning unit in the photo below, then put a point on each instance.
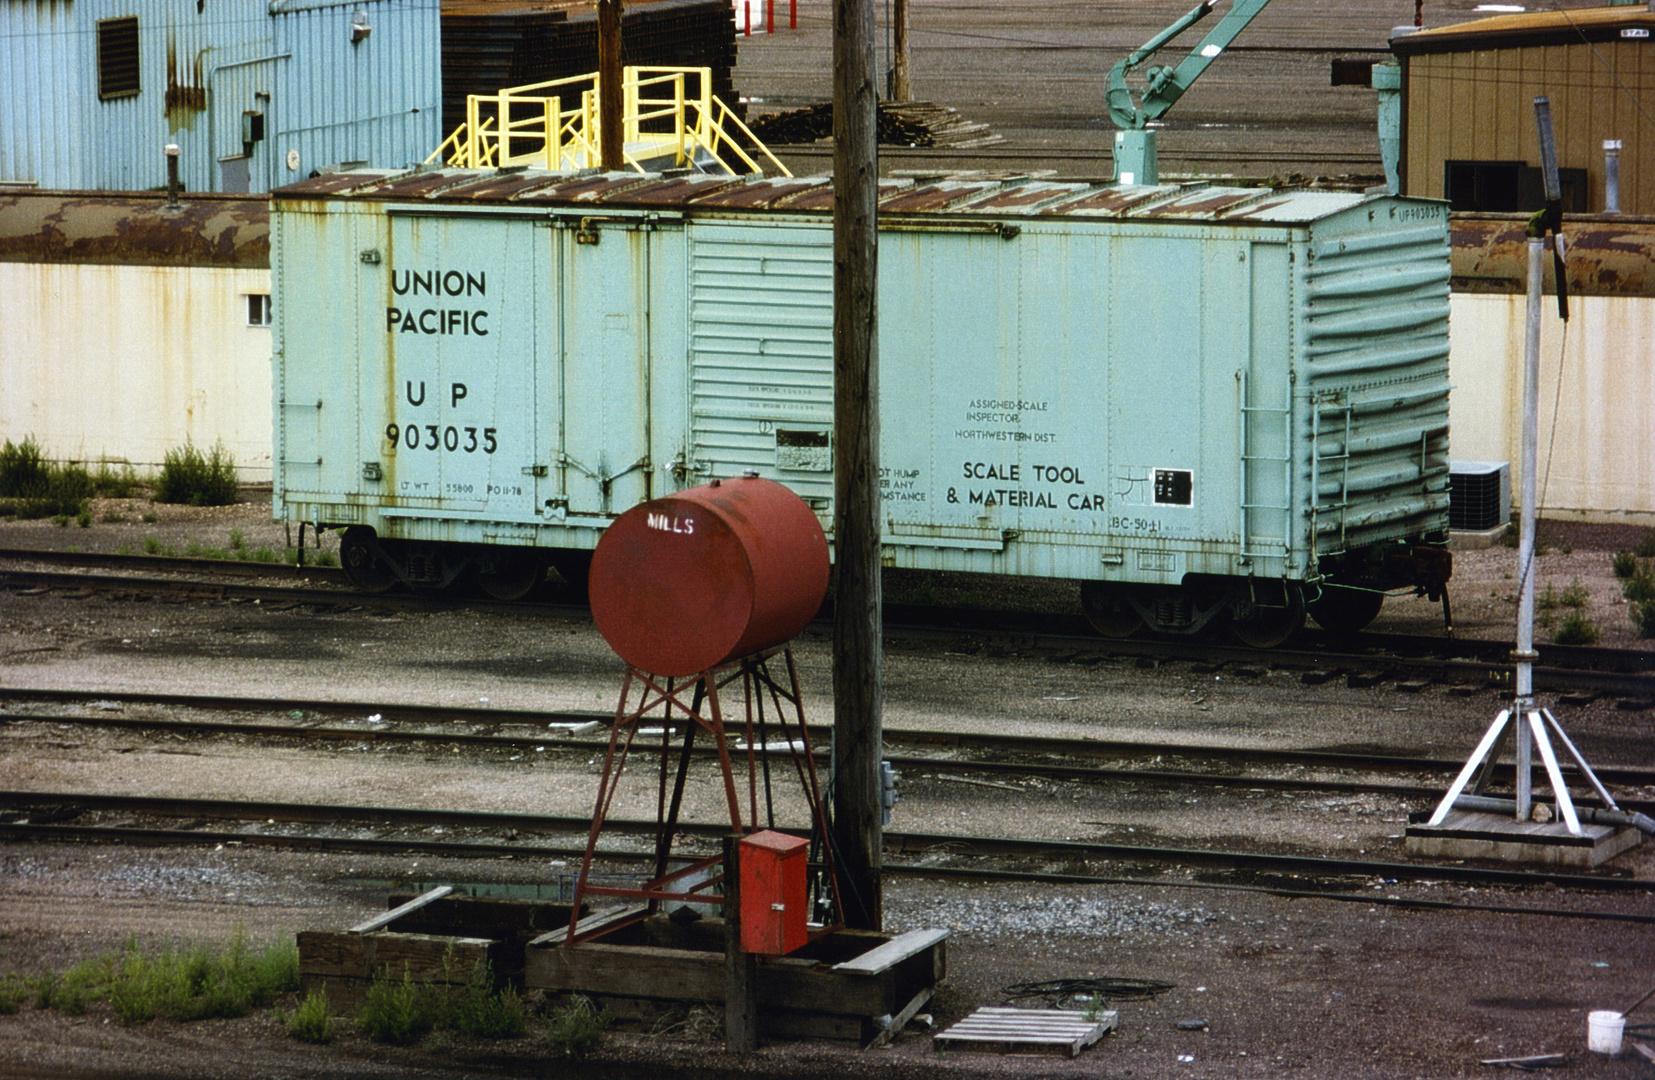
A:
(1479, 495)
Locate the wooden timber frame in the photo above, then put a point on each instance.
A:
(688, 705)
(440, 937)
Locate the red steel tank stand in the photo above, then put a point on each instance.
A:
(693, 880)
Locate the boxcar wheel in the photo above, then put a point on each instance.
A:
(359, 555)
(1344, 610)
(1108, 611)
(1268, 627)
(511, 575)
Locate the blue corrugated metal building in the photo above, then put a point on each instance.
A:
(256, 93)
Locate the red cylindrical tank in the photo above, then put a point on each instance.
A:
(712, 573)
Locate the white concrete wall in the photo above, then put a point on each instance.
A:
(1597, 425)
(127, 362)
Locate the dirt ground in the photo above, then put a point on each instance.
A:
(1310, 988)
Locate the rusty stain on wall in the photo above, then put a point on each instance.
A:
(184, 99)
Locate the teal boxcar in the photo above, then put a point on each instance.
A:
(1202, 403)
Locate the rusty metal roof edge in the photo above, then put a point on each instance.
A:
(134, 229)
(1521, 218)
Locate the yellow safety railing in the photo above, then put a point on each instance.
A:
(661, 121)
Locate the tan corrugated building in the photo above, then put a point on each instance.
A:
(1468, 128)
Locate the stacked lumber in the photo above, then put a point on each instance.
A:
(907, 123)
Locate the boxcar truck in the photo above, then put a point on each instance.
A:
(1204, 404)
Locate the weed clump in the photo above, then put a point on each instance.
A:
(404, 1011)
(399, 1012)
(1643, 617)
(577, 1028)
(1576, 629)
(1625, 564)
(23, 469)
(1640, 587)
(32, 487)
(310, 1022)
(189, 476)
(13, 993)
(109, 484)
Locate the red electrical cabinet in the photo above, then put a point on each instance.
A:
(772, 868)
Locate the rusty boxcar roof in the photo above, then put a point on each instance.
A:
(692, 193)
(134, 229)
(1608, 254)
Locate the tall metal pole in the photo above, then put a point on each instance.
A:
(858, 645)
(610, 74)
(901, 88)
(1525, 654)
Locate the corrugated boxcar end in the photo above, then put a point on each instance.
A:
(1376, 385)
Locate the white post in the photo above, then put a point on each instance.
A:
(1525, 654)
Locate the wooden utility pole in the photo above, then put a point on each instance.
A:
(901, 88)
(858, 636)
(741, 1003)
(610, 76)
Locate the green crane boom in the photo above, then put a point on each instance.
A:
(1135, 159)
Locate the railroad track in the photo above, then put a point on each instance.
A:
(143, 821)
(1627, 674)
(986, 754)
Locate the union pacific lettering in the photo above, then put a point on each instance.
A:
(443, 321)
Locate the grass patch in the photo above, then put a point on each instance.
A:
(182, 983)
(1625, 564)
(189, 476)
(310, 1022)
(577, 1027)
(195, 983)
(324, 558)
(1646, 546)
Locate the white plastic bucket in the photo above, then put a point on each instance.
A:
(1603, 1031)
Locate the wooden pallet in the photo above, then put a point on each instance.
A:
(1024, 1031)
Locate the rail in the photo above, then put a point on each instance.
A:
(665, 124)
